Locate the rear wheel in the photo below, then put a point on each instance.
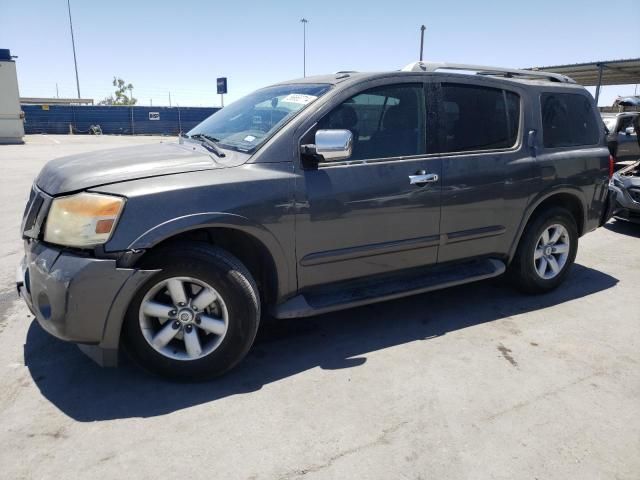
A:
(546, 251)
(195, 319)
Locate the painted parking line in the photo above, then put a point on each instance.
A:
(57, 142)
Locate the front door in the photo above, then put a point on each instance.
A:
(363, 216)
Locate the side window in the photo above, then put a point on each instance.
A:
(567, 120)
(385, 121)
(625, 122)
(478, 118)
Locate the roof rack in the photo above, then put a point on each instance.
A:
(344, 74)
(485, 70)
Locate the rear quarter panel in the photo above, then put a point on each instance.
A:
(580, 170)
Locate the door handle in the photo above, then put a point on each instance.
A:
(421, 178)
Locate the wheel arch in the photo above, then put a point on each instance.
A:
(252, 244)
(570, 198)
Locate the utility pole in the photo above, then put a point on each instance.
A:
(57, 94)
(304, 22)
(422, 29)
(73, 44)
(169, 99)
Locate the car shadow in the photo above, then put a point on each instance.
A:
(86, 392)
(623, 227)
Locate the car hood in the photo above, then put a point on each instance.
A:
(79, 172)
(629, 176)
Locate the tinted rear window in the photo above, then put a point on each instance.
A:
(478, 118)
(567, 120)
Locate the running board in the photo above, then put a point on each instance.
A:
(363, 292)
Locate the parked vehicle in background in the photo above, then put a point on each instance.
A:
(626, 185)
(311, 196)
(622, 136)
(631, 101)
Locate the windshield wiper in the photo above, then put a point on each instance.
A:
(210, 142)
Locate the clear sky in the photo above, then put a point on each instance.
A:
(181, 47)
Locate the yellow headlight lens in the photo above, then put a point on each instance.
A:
(82, 220)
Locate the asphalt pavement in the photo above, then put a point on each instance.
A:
(475, 382)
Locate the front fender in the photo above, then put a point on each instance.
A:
(197, 221)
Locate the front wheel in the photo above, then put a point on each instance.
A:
(196, 318)
(546, 252)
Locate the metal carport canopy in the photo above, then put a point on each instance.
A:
(596, 74)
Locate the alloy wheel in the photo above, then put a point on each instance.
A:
(552, 251)
(183, 318)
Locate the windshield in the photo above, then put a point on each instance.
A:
(249, 122)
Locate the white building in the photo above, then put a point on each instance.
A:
(11, 122)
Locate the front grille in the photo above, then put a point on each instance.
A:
(634, 193)
(34, 213)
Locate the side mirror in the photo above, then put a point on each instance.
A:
(629, 131)
(334, 145)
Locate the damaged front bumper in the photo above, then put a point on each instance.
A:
(625, 185)
(78, 298)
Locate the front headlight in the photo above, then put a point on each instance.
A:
(82, 220)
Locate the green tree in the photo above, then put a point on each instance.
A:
(121, 97)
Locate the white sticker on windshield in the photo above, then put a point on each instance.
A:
(299, 98)
(249, 138)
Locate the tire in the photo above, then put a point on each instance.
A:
(225, 318)
(525, 269)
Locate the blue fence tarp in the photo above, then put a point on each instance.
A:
(113, 119)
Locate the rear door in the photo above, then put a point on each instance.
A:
(363, 216)
(485, 169)
(628, 148)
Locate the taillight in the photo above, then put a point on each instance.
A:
(612, 163)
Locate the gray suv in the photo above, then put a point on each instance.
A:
(311, 196)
